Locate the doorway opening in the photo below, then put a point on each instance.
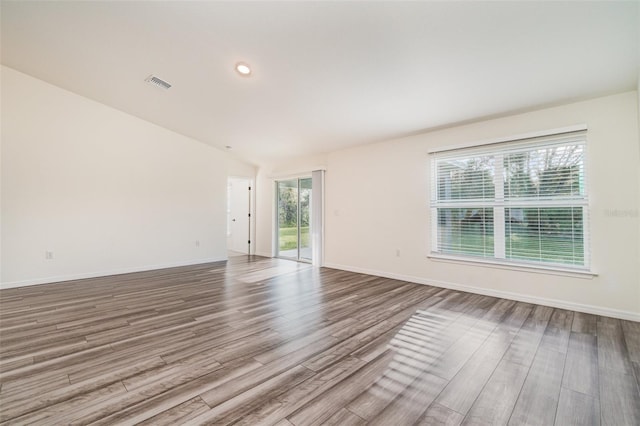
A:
(238, 216)
(294, 198)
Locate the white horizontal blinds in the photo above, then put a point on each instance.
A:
(546, 194)
(466, 231)
(466, 179)
(524, 201)
(551, 234)
(465, 191)
(553, 172)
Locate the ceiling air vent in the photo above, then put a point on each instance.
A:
(155, 81)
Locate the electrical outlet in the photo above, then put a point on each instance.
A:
(397, 252)
(197, 243)
(48, 255)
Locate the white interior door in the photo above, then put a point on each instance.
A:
(238, 240)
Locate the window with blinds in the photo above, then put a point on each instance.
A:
(522, 202)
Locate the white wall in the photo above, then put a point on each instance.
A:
(377, 202)
(104, 191)
(264, 213)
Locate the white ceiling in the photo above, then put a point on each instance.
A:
(326, 75)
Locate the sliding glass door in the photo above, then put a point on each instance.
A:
(294, 219)
(304, 191)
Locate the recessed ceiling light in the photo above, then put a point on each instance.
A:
(243, 69)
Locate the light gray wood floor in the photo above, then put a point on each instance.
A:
(267, 341)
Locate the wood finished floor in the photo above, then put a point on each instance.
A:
(265, 341)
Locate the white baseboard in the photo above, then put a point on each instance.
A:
(554, 303)
(72, 277)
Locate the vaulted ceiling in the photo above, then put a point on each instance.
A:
(326, 75)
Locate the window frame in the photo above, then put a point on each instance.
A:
(498, 149)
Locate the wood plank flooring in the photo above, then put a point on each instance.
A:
(257, 341)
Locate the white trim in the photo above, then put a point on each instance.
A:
(554, 303)
(73, 277)
(538, 268)
(499, 231)
(513, 138)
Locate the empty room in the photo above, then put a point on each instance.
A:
(320, 213)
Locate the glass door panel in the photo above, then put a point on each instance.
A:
(305, 219)
(294, 219)
(288, 218)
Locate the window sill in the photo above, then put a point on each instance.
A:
(549, 270)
